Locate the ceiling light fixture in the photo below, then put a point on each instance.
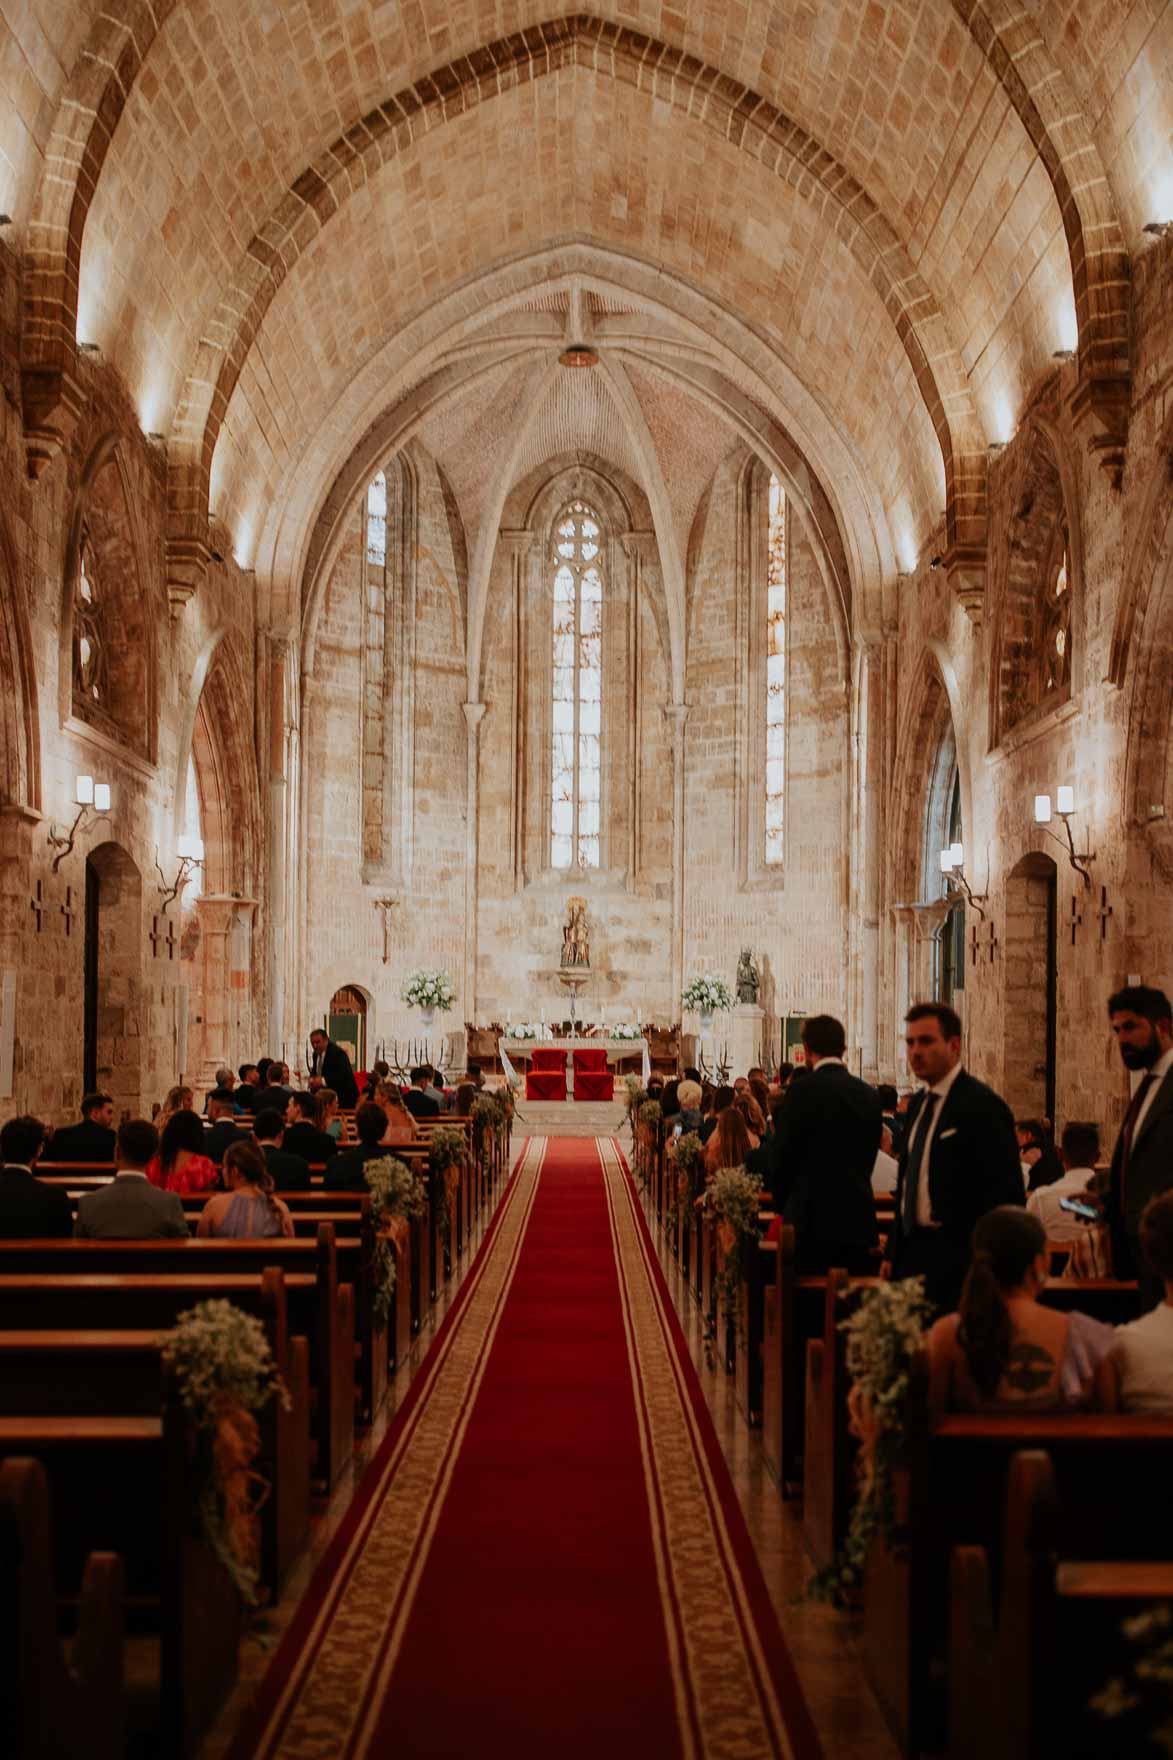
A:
(578, 355)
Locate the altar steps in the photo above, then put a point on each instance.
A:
(568, 1118)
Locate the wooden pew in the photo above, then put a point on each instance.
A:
(792, 1313)
(1010, 1654)
(106, 1372)
(829, 1454)
(50, 1705)
(173, 1579)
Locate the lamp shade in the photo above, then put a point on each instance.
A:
(1064, 801)
(957, 855)
(102, 796)
(84, 792)
(1042, 809)
(946, 861)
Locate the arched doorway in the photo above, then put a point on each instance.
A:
(114, 1002)
(1031, 971)
(347, 1023)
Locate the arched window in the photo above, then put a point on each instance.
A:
(775, 671)
(576, 767)
(952, 935)
(1055, 647)
(377, 521)
(89, 653)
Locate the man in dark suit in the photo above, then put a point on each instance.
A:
(302, 1136)
(418, 1102)
(332, 1069)
(92, 1139)
(221, 1132)
(959, 1159)
(130, 1208)
(1038, 1154)
(1142, 1161)
(826, 1135)
(29, 1209)
(291, 1173)
(345, 1172)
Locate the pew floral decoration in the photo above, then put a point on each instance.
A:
(446, 1150)
(732, 1198)
(650, 1114)
(884, 1334)
(225, 1374)
(687, 1154)
(1141, 1698)
(397, 1195)
(636, 1095)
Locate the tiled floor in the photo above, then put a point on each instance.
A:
(819, 1639)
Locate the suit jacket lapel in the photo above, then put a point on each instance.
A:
(1162, 1101)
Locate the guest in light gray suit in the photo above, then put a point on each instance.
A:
(130, 1208)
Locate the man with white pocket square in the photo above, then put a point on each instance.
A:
(960, 1158)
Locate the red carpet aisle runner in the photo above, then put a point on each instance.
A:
(546, 1557)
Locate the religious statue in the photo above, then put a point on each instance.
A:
(576, 949)
(748, 981)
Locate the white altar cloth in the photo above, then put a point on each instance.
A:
(613, 1048)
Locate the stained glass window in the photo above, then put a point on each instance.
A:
(377, 521)
(577, 710)
(89, 656)
(775, 671)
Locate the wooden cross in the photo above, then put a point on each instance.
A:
(37, 904)
(1104, 912)
(1076, 917)
(67, 909)
(993, 944)
(171, 941)
(155, 937)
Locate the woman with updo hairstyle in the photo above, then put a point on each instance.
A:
(247, 1211)
(1003, 1351)
(180, 1165)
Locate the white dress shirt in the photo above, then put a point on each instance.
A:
(1061, 1225)
(924, 1208)
(1160, 1070)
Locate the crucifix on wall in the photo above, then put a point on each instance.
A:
(37, 904)
(385, 906)
(68, 910)
(1104, 912)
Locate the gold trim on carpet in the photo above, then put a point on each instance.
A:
(724, 1690)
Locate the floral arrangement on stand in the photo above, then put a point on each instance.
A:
(884, 1333)
(446, 1150)
(625, 1030)
(732, 1199)
(688, 1154)
(429, 991)
(397, 1195)
(703, 995)
(225, 1373)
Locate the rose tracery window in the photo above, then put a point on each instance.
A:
(89, 654)
(577, 695)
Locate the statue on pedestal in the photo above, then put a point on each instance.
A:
(576, 948)
(748, 981)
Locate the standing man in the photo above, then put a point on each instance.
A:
(826, 1134)
(1142, 1162)
(960, 1159)
(332, 1069)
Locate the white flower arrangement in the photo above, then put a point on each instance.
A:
(704, 994)
(429, 990)
(524, 1030)
(625, 1030)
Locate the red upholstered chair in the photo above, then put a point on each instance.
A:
(592, 1079)
(546, 1079)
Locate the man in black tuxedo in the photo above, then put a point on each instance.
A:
(417, 1100)
(220, 1132)
(1142, 1161)
(345, 1172)
(91, 1140)
(332, 1069)
(291, 1173)
(959, 1159)
(29, 1209)
(302, 1136)
(826, 1135)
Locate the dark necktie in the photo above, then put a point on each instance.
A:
(1129, 1130)
(912, 1167)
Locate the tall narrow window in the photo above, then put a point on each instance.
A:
(775, 671)
(576, 771)
(377, 521)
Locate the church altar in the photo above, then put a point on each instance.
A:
(615, 1048)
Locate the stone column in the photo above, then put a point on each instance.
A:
(640, 550)
(278, 902)
(17, 903)
(225, 965)
(677, 715)
(516, 546)
(473, 715)
(869, 726)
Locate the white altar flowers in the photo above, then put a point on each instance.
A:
(705, 994)
(624, 1030)
(429, 991)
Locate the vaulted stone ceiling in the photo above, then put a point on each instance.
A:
(859, 231)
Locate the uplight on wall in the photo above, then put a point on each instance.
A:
(1065, 810)
(953, 868)
(91, 797)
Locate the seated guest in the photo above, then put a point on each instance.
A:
(29, 1209)
(181, 1164)
(729, 1146)
(1138, 1373)
(885, 1168)
(435, 1088)
(225, 1078)
(476, 1075)
(291, 1173)
(247, 1210)
(1003, 1351)
(785, 1071)
(276, 1090)
(92, 1139)
(326, 1115)
(755, 1124)
(1079, 1151)
(466, 1093)
(345, 1172)
(1040, 1164)
(221, 1131)
(264, 1065)
(888, 1098)
(760, 1089)
(691, 1075)
(669, 1098)
(401, 1126)
(250, 1081)
(302, 1136)
(419, 1102)
(688, 1098)
(178, 1099)
(380, 1072)
(722, 1098)
(130, 1208)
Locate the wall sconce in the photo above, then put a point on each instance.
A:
(953, 868)
(190, 851)
(1064, 809)
(91, 797)
(1159, 228)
